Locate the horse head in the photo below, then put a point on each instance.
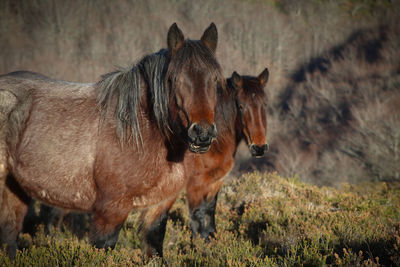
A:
(252, 104)
(193, 74)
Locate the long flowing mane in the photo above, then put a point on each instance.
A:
(119, 91)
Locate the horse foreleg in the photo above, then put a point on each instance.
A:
(154, 223)
(13, 209)
(106, 227)
(202, 219)
(202, 204)
(108, 217)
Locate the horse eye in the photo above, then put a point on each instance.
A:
(240, 106)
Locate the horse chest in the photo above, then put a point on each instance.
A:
(212, 165)
(160, 185)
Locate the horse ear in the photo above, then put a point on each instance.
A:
(237, 80)
(210, 37)
(175, 39)
(263, 77)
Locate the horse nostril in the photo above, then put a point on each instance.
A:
(194, 131)
(213, 131)
(202, 133)
(197, 129)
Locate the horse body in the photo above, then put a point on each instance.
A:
(84, 168)
(114, 145)
(64, 147)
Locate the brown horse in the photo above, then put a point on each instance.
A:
(240, 114)
(107, 147)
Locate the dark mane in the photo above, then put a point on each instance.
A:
(119, 91)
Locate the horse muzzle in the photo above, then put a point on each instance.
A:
(200, 137)
(258, 151)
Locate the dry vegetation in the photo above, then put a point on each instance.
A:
(263, 220)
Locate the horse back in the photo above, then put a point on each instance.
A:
(24, 74)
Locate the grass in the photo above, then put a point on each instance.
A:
(263, 220)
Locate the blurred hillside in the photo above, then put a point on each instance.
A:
(339, 115)
(334, 65)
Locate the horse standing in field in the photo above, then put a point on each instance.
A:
(240, 114)
(111, 146)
